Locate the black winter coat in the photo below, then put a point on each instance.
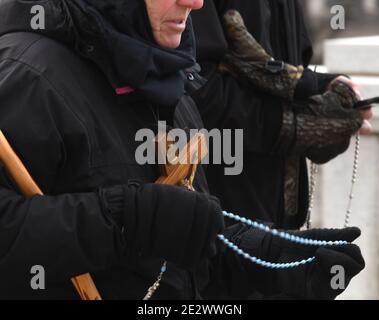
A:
(74, 135)
(59, 111)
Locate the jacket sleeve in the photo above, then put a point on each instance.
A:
(68, 234)
(225, 103)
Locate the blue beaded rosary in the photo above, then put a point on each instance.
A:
(255, 260)
(275, 233)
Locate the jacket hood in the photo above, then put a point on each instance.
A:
(116, 36)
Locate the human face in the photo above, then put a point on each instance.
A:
(168, 19)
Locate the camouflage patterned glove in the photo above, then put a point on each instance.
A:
(248, 61)
(323, 126)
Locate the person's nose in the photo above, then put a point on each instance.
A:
(191, 4)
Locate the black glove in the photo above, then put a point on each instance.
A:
(313, 280)
(248, 61)
(321, 128)
(165, 221)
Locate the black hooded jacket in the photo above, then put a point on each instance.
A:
(259, 192)
(60, 112)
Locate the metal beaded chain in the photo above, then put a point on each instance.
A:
(187, 183)
(353, 181)
(313, 183)
(312, 189)
(157, 283)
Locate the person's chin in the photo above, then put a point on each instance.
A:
(171, 41)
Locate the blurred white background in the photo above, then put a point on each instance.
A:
(353, 51)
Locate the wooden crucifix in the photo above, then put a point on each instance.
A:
(182, 172)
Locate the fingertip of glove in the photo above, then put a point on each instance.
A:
(349, 255)
(351, 233)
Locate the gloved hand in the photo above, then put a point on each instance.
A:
(313, 280)
(165, 221)
(248, 61)
(324, 125)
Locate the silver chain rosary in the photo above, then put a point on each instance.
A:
(155, 286)
(312, 189)
(313, 183)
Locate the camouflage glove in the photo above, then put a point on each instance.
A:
(248, 61)
(322, 126)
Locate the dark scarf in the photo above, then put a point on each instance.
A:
(115, 35)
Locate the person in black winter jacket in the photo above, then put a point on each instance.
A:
(72, 97)
(274, 184)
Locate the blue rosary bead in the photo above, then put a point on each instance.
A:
(283, 235)
(265, 264)
(276, 233)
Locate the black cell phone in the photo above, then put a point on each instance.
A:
(366, 104)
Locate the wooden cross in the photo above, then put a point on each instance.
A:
(181, 173)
